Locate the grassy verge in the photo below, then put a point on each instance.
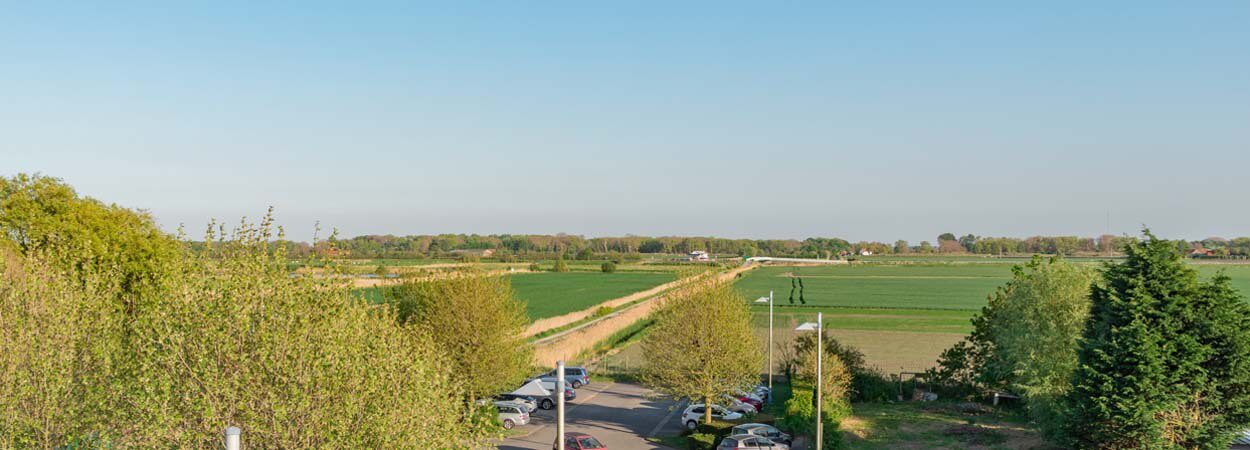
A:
(939, 425)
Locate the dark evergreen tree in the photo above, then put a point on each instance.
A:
(1165, 359)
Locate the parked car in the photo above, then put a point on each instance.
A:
(512, 414)
(693, 415)
(753, 401)
(548, 403)
(736, 404)
(573, 376)
(529, 402)
(580, 441)
(763, 430)
(747, 441)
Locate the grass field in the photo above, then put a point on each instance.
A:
(901, 315)
(551, 294)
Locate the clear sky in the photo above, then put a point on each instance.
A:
(759, 119)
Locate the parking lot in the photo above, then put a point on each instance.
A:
(619, 414)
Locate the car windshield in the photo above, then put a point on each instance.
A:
(589, 442)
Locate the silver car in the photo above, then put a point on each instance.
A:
(762, 430)
(512, 414)
(747, 441)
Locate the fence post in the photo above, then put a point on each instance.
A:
(232, 438)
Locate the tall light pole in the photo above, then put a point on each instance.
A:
(560, 405)
(769, 300)
(819, 328)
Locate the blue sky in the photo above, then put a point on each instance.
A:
(764, 119)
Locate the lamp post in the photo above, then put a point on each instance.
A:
(560, 405)
(769, 300)
(818, 327)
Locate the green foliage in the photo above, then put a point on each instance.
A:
(799, 417)
(38, 212)
(476, 321)
(381, 271)
(1024, 339)
(1165, 358)
(534, 267)
(836, 371)
(701, 441)
(608, 267)
(702, 344)
(223, 337)
(560, 265)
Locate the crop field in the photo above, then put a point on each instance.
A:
(900, 315)
(550, 294)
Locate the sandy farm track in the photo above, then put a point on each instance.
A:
(568, 344)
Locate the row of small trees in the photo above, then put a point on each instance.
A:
(1139, 354)
(114, 335)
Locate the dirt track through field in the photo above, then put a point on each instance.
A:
(568, 344)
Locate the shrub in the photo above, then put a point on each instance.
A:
(701, 441)
(534, 267)
(560, 265)
(608, 267)
(603, 311)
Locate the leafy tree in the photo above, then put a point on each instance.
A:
(585, 254)
(1024, 339)
(476, 321)
(38, 212)
(969, 242)
(946, 237)
(702, 343)
(560, 265)
(925, 247)
(534, 267)
(381, 270)
(1035, 333)
(1165, 358)
(608, 267)
(836, 372)
(901, 246)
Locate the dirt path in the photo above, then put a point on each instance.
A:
(568, 344)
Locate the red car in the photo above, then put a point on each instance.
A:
(580, 441)
(759, 405)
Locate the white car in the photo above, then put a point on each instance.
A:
(693, 415)
(512, 414)
(738, 406)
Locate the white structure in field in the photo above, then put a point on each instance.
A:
(865, 252)
(699, 255)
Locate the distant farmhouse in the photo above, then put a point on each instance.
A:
(865, 252)
(699, 255)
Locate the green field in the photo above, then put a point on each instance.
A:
(901, 315)
(550, 294)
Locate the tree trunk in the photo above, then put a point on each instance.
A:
(707, 410)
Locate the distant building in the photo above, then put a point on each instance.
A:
(699, 255)
(481, 253)
(1201, 253)
(865, 252)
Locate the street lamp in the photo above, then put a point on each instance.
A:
(820, 335)
(769, 300)
(560, 405)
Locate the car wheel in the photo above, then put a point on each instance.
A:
(577, 384)
(547, 404)
(690, 425)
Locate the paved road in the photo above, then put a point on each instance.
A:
(619, 414)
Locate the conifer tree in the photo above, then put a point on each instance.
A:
(1165, 358)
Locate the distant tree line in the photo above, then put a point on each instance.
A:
(572, 247)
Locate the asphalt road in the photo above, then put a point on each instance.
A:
(618, 414)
